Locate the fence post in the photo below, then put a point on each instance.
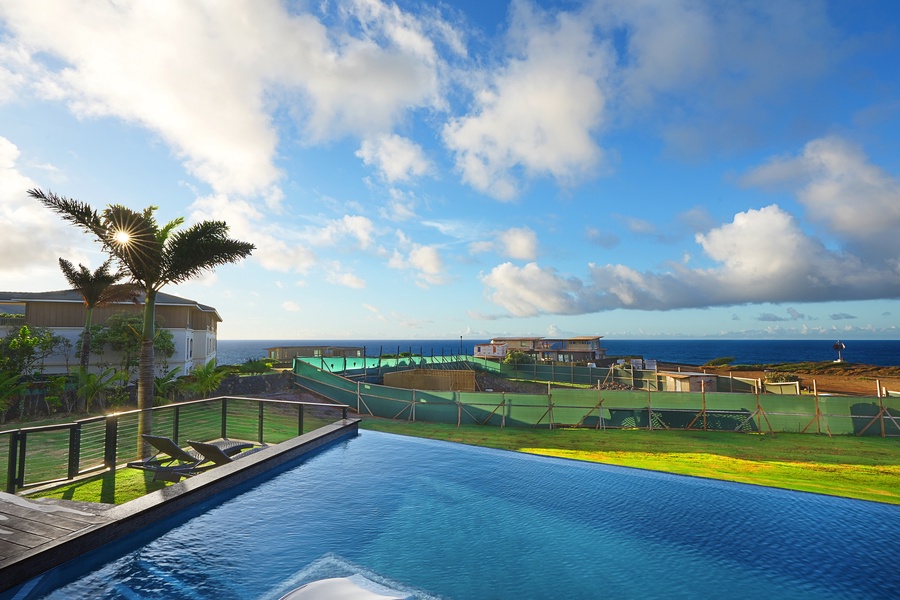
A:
(300, 420)
(111, 441)
(176, 420)
(344, 412)
(225, 419)
(12, 462)
(259, 421)
(74, 450)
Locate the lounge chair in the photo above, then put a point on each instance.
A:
(172, 462)
(214, 454)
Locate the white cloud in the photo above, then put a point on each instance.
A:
(710, 77)
(291, 306)
(761, 256)
(336, 274)
(206, 77)
(397, 158)
(857, 201)
(34, 237)
(538, 112)
(401, 206)
(520, 243)
(354, 227)
(424, 260)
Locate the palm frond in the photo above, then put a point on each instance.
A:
(78, 213)
(97, 288)
(201, 247)
(131, 238)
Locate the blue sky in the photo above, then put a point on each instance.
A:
(629, 169)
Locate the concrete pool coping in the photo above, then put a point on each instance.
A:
(107, 524)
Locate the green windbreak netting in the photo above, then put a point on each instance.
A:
(643, 408)
(527, 410)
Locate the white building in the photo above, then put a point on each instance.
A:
(193, 325)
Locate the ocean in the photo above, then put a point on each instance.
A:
(691, 352)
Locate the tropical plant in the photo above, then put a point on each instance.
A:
(96, 386)
(166, 387)
(12, 386)
(204, 380)
(256, 366)
(517, 357)
(96, 289)
(153, 256)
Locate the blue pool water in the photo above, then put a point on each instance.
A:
(450, 521)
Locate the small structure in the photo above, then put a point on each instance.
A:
(493, 351)
(438, 380)
(288, 353)
(690, 382)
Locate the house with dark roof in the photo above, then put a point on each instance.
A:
(193, 325)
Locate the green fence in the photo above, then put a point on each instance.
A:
(599, 408)
(32, 456)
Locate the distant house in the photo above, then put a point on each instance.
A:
(583, 348)
(193, 325)
(288, 353)
(689, 382)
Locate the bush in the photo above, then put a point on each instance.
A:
(720, 362)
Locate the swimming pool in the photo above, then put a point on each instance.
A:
(444, 520)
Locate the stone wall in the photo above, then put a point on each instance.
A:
(255, 385)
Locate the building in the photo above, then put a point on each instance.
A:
(578, 349)
(193, 325)
(288, 353)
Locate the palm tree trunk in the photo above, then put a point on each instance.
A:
(81, 401)
(145, 373)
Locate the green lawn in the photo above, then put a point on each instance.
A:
(852, 467)
(862, 468)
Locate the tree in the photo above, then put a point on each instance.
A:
(11, 387)
(205, 379)
(517, 357)
(96, 289)
(95, 386)
(153, 256)
(122, 333)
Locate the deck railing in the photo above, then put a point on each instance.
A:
(46, 454)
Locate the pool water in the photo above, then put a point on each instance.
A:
(435, 519)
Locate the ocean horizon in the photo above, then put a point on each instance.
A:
(686, 351)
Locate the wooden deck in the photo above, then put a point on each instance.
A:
(38, 535)
(27, 525)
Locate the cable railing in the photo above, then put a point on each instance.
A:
(46, 454)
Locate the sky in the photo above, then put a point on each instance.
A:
(631, 169)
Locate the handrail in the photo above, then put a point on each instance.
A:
(108, 439)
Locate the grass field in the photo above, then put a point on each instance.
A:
(852, 467)
(864, 468)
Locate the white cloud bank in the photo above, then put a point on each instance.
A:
(762, 255)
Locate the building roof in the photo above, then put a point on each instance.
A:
(162, 299)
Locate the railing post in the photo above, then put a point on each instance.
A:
(300, 419)
(344, 412)
(111, 441)
(12, 462)
(20, 471)
(175, 423)
(260, 422)
(74, 450)
(225, 418)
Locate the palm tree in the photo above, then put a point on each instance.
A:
(96, 289)
(205, 379)
(153, 256)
